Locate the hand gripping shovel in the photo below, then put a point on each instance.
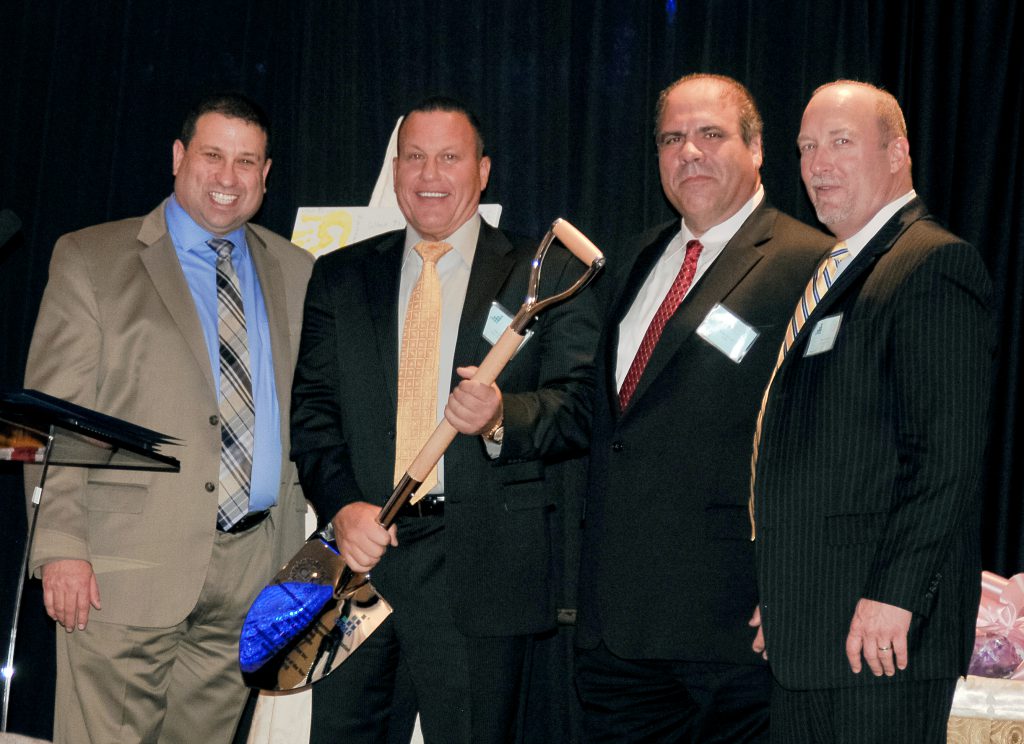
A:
(316, 611)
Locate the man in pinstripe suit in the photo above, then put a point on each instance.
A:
(869, 458)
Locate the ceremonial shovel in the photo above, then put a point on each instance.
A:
(317, 611)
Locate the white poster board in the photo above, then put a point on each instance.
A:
(321, 230)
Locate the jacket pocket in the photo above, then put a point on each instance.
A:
(522, 471)
(101, 496)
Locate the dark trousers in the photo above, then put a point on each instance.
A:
(891, 712)
(465, 689)
(662, 701)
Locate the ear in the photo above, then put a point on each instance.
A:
(898, 152)
(755, 150)
(266, 170)
(394, 173)
(177, 155)
(485, 171)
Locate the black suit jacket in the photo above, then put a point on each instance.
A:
(667, 563)
(498, 513)
(871, 458)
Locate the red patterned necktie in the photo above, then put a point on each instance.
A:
(668, 307)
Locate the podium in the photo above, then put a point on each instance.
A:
(36, 428)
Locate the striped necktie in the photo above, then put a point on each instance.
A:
(418, 364)
(235, 401)
(819, 284)
(673, 298)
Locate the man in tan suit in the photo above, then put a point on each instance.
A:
(149, 575)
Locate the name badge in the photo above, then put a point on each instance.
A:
(823, 335)
(724, 330)
(498, 319)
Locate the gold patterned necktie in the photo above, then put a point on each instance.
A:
(235, 402)
(819, 284)
(418, 364)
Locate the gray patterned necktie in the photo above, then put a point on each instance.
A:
(235, 401)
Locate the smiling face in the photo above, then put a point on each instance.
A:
(847, 169)
(438, 172)
(220, 176)
(707, 171)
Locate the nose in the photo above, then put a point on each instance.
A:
(689, 152)
(226, 172)
(820, 162)
(430, 168)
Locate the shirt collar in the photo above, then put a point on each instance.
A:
(856, 242)
(723, 232)
(463, 241)
(188, 236)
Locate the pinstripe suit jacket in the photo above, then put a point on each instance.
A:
(871, 460)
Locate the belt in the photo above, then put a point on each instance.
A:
(246, 523)
(431, 505)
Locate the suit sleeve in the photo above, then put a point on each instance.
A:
(63, 361)
(553, 420)
(941, 350)
(318, 445)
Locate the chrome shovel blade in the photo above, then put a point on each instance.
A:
(301, 627)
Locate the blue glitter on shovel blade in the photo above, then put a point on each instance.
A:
(280, 614)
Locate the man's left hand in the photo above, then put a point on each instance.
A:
(878, 631)
(473, 408)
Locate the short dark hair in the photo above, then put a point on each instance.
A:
(751, 124)
(449, 105)
(230, 104)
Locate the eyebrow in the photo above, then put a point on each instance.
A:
(831, 133)
(698, 130)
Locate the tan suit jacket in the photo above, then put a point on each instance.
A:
(118, 332)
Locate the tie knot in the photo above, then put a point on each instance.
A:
(839, 251)
(221, 247)
(432, 252)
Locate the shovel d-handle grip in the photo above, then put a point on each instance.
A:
(578, 243)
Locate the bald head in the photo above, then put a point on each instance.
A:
(854, 154)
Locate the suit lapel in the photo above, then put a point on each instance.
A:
(878, 246)
(492, 263)
(268, 271)
(636, 274)
(381, 279)
(161, 263)
(738, 257)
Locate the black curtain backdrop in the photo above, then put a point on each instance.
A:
(92, 95)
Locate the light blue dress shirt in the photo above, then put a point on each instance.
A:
(199, 262)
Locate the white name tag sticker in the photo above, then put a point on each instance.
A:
(498, 319)
(823, 335)
(728, 333)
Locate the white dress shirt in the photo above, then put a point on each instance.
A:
(657, 284)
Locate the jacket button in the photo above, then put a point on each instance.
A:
(214, 420)
(391, 434)
(618, 446)
(211, 486)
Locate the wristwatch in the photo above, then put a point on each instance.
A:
(497, 432)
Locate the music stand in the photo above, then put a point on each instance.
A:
(39, 429)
